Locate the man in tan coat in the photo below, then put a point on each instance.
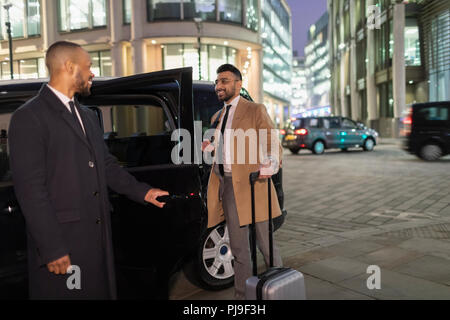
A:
(244, 142)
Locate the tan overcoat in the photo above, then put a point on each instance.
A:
(248, 115)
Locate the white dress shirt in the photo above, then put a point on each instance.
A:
(65, 100)
(226, 150)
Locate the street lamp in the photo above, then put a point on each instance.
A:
(7, 6)
(198, 23)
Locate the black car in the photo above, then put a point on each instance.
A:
(427, 130)
(138, 115)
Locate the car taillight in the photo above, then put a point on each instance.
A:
(283, 132)
(301, 132)
(407, 124)
(407, 120)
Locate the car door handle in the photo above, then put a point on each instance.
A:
(177, 197)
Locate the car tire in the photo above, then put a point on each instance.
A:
(430, 152)
(318, 147)
(212, 266)
(369, 144)
(294, 150)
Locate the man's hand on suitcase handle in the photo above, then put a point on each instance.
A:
(268, 168)
(257, 176)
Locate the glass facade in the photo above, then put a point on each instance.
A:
(412, 43)
(163, 9)
(438, 57)
(205, 9)
(24, 69)
(81, 14)
(25, 18)
(252, 15)
(208, 10)
(186, 55)
(317, 64)
(277, 51)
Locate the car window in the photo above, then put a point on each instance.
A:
(313, 123)
(137, 135)
(331, 123)
(434, 113)
(206, 105)
(348, 124)
(299, 123)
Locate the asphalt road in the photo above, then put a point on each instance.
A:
(346, 193)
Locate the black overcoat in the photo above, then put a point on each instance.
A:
(61, 179)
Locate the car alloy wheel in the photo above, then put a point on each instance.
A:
(212, 265)
(368, 145)
(431, 152)
(217, 256)
(318, 147)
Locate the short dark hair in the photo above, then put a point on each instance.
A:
(231, 68)
(55, 48)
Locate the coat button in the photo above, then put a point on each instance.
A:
(98, 221)
(91, 164)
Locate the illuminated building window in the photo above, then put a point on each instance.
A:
(252, 15)
(186, 55)
(412, 46)
(24, 69)
(230, 10)
(204, 9)
(101, 63)
(81, 14)
(24, 16)
(126, 11)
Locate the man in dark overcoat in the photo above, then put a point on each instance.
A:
(61, 171)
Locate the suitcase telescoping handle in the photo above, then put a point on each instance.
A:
(253, 178)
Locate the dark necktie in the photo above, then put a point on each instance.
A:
(74, 114)
(222, 131)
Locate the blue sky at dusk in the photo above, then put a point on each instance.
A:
(304, 14)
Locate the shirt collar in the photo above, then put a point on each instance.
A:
(64, 99)
(233, 102)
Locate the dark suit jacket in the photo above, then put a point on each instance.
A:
(61, 178)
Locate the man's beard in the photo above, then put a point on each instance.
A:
(82, 86)
(227, 96)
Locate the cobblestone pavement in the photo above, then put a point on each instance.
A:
(346, 191)
(349, 210)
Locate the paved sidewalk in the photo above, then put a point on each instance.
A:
(413, 257)
(348, 211)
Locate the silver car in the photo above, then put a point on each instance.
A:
(320, 133)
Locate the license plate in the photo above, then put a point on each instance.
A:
(290, 137)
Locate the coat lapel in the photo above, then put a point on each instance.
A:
(58, 106)
(239, 114)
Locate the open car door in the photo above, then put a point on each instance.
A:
(138, 115)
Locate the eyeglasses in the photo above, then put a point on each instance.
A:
(224, 81)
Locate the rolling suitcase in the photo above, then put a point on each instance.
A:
(275, 283)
